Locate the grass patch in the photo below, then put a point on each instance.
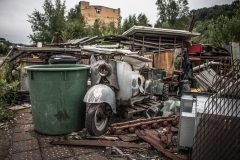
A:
(5, 114)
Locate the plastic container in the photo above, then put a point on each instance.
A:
(56, 93)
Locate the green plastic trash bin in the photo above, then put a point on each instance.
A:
(56, 93)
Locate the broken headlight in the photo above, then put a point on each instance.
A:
(105, 70)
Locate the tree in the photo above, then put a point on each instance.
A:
(214, 12)
(46, 25)
(172, 13)
(4, 46)
(75, 25)
(129, 22)
(111, 29)
(220, 30)
(133, 20)
(96, 29)
(142, 20)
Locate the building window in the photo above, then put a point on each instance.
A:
(98, 10)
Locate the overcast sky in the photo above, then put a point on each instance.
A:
(15, 28)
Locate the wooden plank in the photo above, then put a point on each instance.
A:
(154, 102)
(147, 104)
(132, 107)
(165, 60)
(129, 110)
(151, 104)
(142, 105)
(128, 137)
(138, 109)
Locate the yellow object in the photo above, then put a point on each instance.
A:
(195, 90)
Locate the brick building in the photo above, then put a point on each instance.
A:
(105, 14)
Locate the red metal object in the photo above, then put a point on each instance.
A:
(195, 48)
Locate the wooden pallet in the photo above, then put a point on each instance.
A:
(139, 108)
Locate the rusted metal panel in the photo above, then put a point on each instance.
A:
(131, 126)
(100, 143)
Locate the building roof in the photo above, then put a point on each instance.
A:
(135, 30)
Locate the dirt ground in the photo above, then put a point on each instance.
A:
(1, 60)
(5, 139)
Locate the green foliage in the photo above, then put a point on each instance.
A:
(4, 46)
(7, 91)
(74, 29)
(172, 14)
(75, 25)
(220, 30)
(75, 13)
(129, 22)
(5, 114)
(142, 20)
(227, 10)
(111, 29)
(46, 25)
(97, 28)
(101, 29)
(133, 20)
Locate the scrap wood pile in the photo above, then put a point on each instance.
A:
(158, 132)
(149, 43)
(38, 54)
(80, 47)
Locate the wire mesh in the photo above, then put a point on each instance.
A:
(218, 132)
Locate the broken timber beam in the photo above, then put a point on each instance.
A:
(100, 143)
(48, 49)
(154, 140)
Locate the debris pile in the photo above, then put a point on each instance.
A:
(159, 132)
(128, 76)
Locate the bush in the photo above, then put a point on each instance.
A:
(8, 89)
(5, 114)
(3, 48)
